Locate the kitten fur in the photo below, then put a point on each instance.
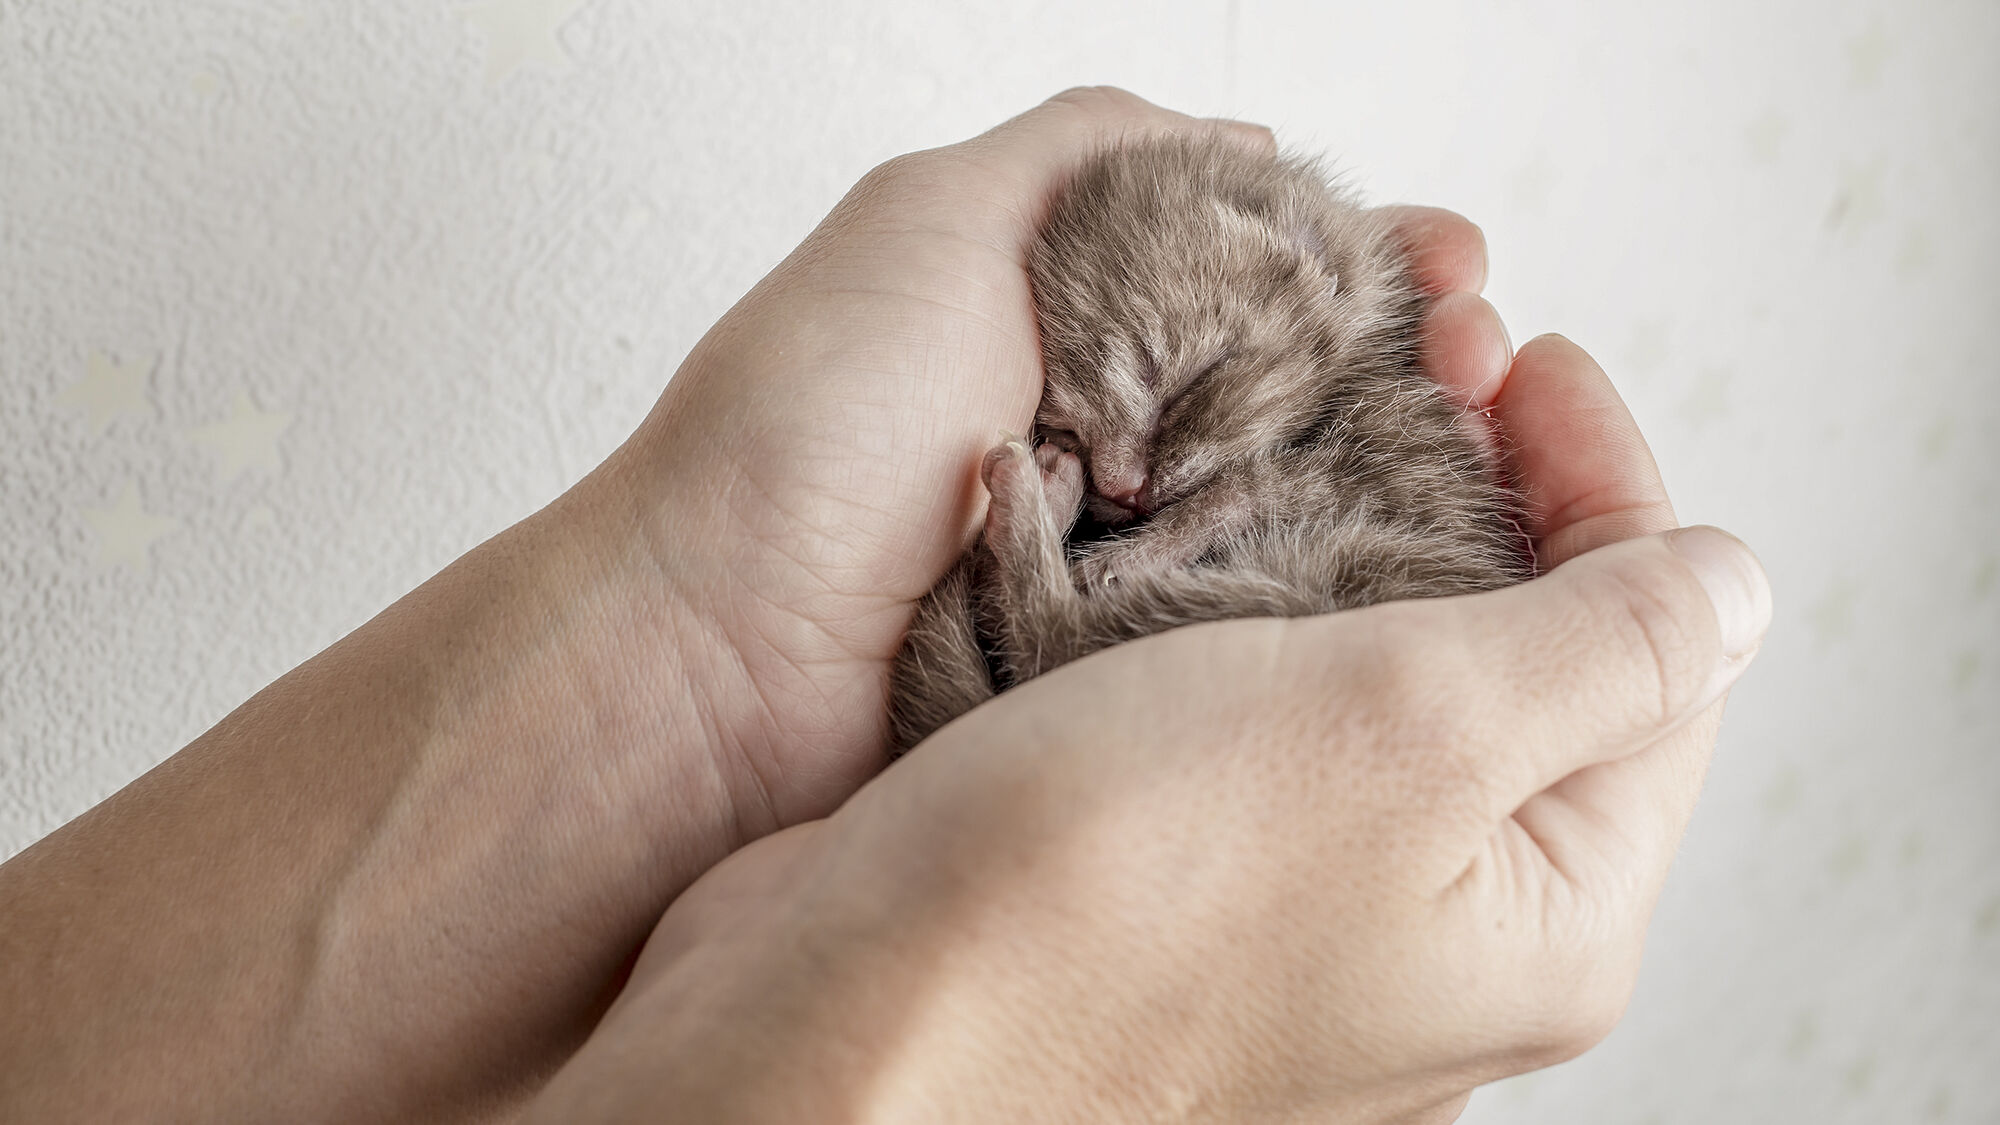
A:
(1234, 423)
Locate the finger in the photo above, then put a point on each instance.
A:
(1576, 453)
(1593, 662)
(1465, 348)
(1447, 250)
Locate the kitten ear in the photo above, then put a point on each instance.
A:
(1295, 232)
(1306, 239)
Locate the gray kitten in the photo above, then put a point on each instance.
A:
(1234, 423)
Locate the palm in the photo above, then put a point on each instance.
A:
(847, 465)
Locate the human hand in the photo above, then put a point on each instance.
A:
(487, 794)
(1349, 866)
(812, 469)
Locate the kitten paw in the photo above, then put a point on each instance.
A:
(1035, 497)
(1062, 483)
(1017, 503)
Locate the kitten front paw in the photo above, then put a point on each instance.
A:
(1062, 483)
(1025, 489)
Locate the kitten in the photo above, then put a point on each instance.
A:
(1234, 423)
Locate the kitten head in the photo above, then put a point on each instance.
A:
(1199, 307)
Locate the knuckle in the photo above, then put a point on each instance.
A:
(897, 172)
(1097, 99)
(1099, 107)
(903, 188)
(1407, 698)
(1644, 610)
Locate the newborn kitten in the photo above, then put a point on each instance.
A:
(1234, 423)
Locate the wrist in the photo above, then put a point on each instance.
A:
(485, 796)
(796, 639)
(561, 784)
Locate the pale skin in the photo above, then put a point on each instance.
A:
(1341, 868)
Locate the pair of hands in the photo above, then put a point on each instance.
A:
(1349, 866)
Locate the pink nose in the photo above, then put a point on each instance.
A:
(1125, 490)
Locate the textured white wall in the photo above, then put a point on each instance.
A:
(298, 301)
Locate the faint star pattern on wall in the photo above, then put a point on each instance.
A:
(1987, 922)
(1849, 857)
(521, 34)
(1935, 439)
(1805, 1033)
(1911, 851)
(1964, 671)
(1914, 254)
(1766, 135)
(126, 531)
(1708, 399)
(1528, 189)
(108, 388)
(1860, 1074)
(1782, 794)
(1867, 56)
(249, 436)
(1832, 616)
(1650, 346)
(1858, 199)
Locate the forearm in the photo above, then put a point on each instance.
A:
(400, 881)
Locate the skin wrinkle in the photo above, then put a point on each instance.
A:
(871, 254)
(765, 761)
(702, 629)
(729, 656)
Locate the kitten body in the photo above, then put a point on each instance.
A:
(1234, 423)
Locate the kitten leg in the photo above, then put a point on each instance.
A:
(940, 672)
(1023, 529)
(1062, 483)
(1028, 599)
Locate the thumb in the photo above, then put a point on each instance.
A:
(1609, 651)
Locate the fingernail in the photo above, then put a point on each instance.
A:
(1498, 368)
(1735, 583)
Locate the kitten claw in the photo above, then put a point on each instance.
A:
(1093, 572)
(1001, 472)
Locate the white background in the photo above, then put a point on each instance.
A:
(299, 300)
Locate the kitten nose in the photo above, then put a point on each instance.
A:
(1125, 489)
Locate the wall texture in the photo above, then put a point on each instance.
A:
(298, 301)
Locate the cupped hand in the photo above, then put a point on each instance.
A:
(813, 468)
(1342, 868)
